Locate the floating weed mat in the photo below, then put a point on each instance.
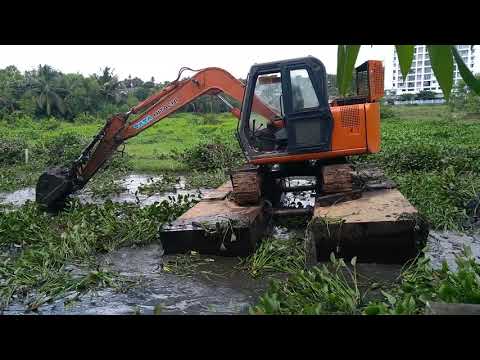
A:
(167, 183)
(105, 185)
(18, 176)
(322, 289)
(442, 196)
(334, 288)
(203, 179)
(275, 256)
(421, 284)
(61, 284)
(45, 243)
(189, 264)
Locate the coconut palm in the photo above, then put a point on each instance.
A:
(7, 103)
(48, 95)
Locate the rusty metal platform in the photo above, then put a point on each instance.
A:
(216, 225)
(375, 223)
(381, 226)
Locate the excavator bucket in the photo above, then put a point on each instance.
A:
(53, 188)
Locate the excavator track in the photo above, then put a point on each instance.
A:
(246, 184)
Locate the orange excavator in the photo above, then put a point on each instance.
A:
(286, 127)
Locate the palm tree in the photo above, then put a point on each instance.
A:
(48, 95)
(7, 103)
(113, 90)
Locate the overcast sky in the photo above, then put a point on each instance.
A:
(164, 61)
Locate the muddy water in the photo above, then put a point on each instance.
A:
(299, 199)
(131, 183)
(19, 197)
(217, 289)
(446, 245)
(222, 290)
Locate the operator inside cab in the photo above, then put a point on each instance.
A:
(298, 102)
(266, 136)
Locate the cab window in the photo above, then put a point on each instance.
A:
(268, 89)
(303, 93)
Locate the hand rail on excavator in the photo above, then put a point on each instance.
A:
(56, 184)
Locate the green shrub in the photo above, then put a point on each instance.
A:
(11, 151)
(206, 119)
(206, 179)
(386, 112)
(85, 118)
(429, 157)
(62, 149)
(211, 155)
(18, 119)
(50, 124)
(108, 110)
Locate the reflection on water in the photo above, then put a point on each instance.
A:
(444, 246)
(131, 183)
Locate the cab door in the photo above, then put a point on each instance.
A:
(307, 115)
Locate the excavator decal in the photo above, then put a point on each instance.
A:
(147, 119)
(143, 122)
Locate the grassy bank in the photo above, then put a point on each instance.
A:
(148, 151)
(157, 150)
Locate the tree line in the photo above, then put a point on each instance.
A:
(47, 92)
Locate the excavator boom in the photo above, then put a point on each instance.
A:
(56, 184)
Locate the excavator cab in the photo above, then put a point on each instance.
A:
(296, 90)
(311, 128)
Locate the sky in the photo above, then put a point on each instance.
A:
(164, 61)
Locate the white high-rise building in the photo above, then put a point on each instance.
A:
(421, 75)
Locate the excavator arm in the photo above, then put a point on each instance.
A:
(56, 184)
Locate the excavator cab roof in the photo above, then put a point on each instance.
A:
(308, 60)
